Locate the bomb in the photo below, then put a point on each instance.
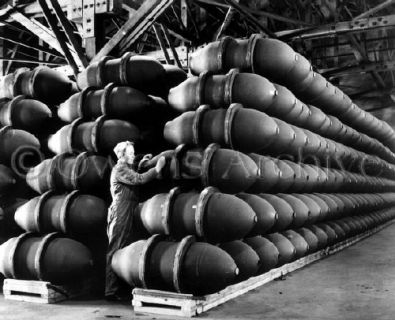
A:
(119, 102)
(139, 72)
(228, 170)
(23, 113)
(300, 244)
(285, 248)
(266, 251)
(210, 215)
(246, 130)
(41, 83)
(186, 266)
(73, 213)
(99, 136)
(51, 258)
(285, 213)
(19, 147)
(265, 213)
(247, 260)
(67, 172)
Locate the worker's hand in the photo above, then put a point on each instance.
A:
(147, 157)
(160, 164)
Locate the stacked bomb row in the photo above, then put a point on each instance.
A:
(278, 62)
(26, 115)
(202, 268)
(256, 92)
(253, 131)
(79, 213)
(29, 100)
(228, 170)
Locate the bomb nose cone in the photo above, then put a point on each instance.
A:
(228, 218)
(298, 242)
(66, 260)
(265, 212)
(181, 98)
(245, 257)
(331, 234)
(253, 131)
(208, 269)
(285, 248)
(68, 111)
(179, 130)
(231, 171)
(203, 58)
(300, 210)
(24, 217)
(321, 236)
(285, 213)
(51, 86)
(36, 176)
(310, 238)
(266, 250)
(173, 75)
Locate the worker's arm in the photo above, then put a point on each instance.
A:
(130, 177)
(150, 163)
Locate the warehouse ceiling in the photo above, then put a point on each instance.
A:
(351, 42)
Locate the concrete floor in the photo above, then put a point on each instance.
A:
(357, 283)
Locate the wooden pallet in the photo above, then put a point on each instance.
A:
(186, 305)
(44, 292)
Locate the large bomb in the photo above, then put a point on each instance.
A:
(277, 61)
(247, 260)
(66, 172)
(285, 248)
(139, 72)
(19, 148)
(266, 251)
(210, 215)
(119, 102)
(73, 213)
(285, 213)
(99, 136)
(265, 213)
(228, 170)
(23, 113)
(243, 129)
(51, 258)
(186, 266)
(41, 83)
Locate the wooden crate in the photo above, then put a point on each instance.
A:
(186, 305)
(44, 292)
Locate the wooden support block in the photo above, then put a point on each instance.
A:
(187, 305)
(44, 292)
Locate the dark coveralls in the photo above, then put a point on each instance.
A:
(125, 180)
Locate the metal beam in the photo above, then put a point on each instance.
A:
(344, 27)
(69, 31)
(173, 50)
(40, 31)
(137, 24)
(375, 9)
(30, 46)
(52, 21)
(29, 61)
(242, 11)
(360, 68)
(161, 42)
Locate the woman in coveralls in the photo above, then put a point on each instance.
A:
(125, 180)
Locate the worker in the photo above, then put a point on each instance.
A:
(125, 180)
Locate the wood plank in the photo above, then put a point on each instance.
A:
(186, 305)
